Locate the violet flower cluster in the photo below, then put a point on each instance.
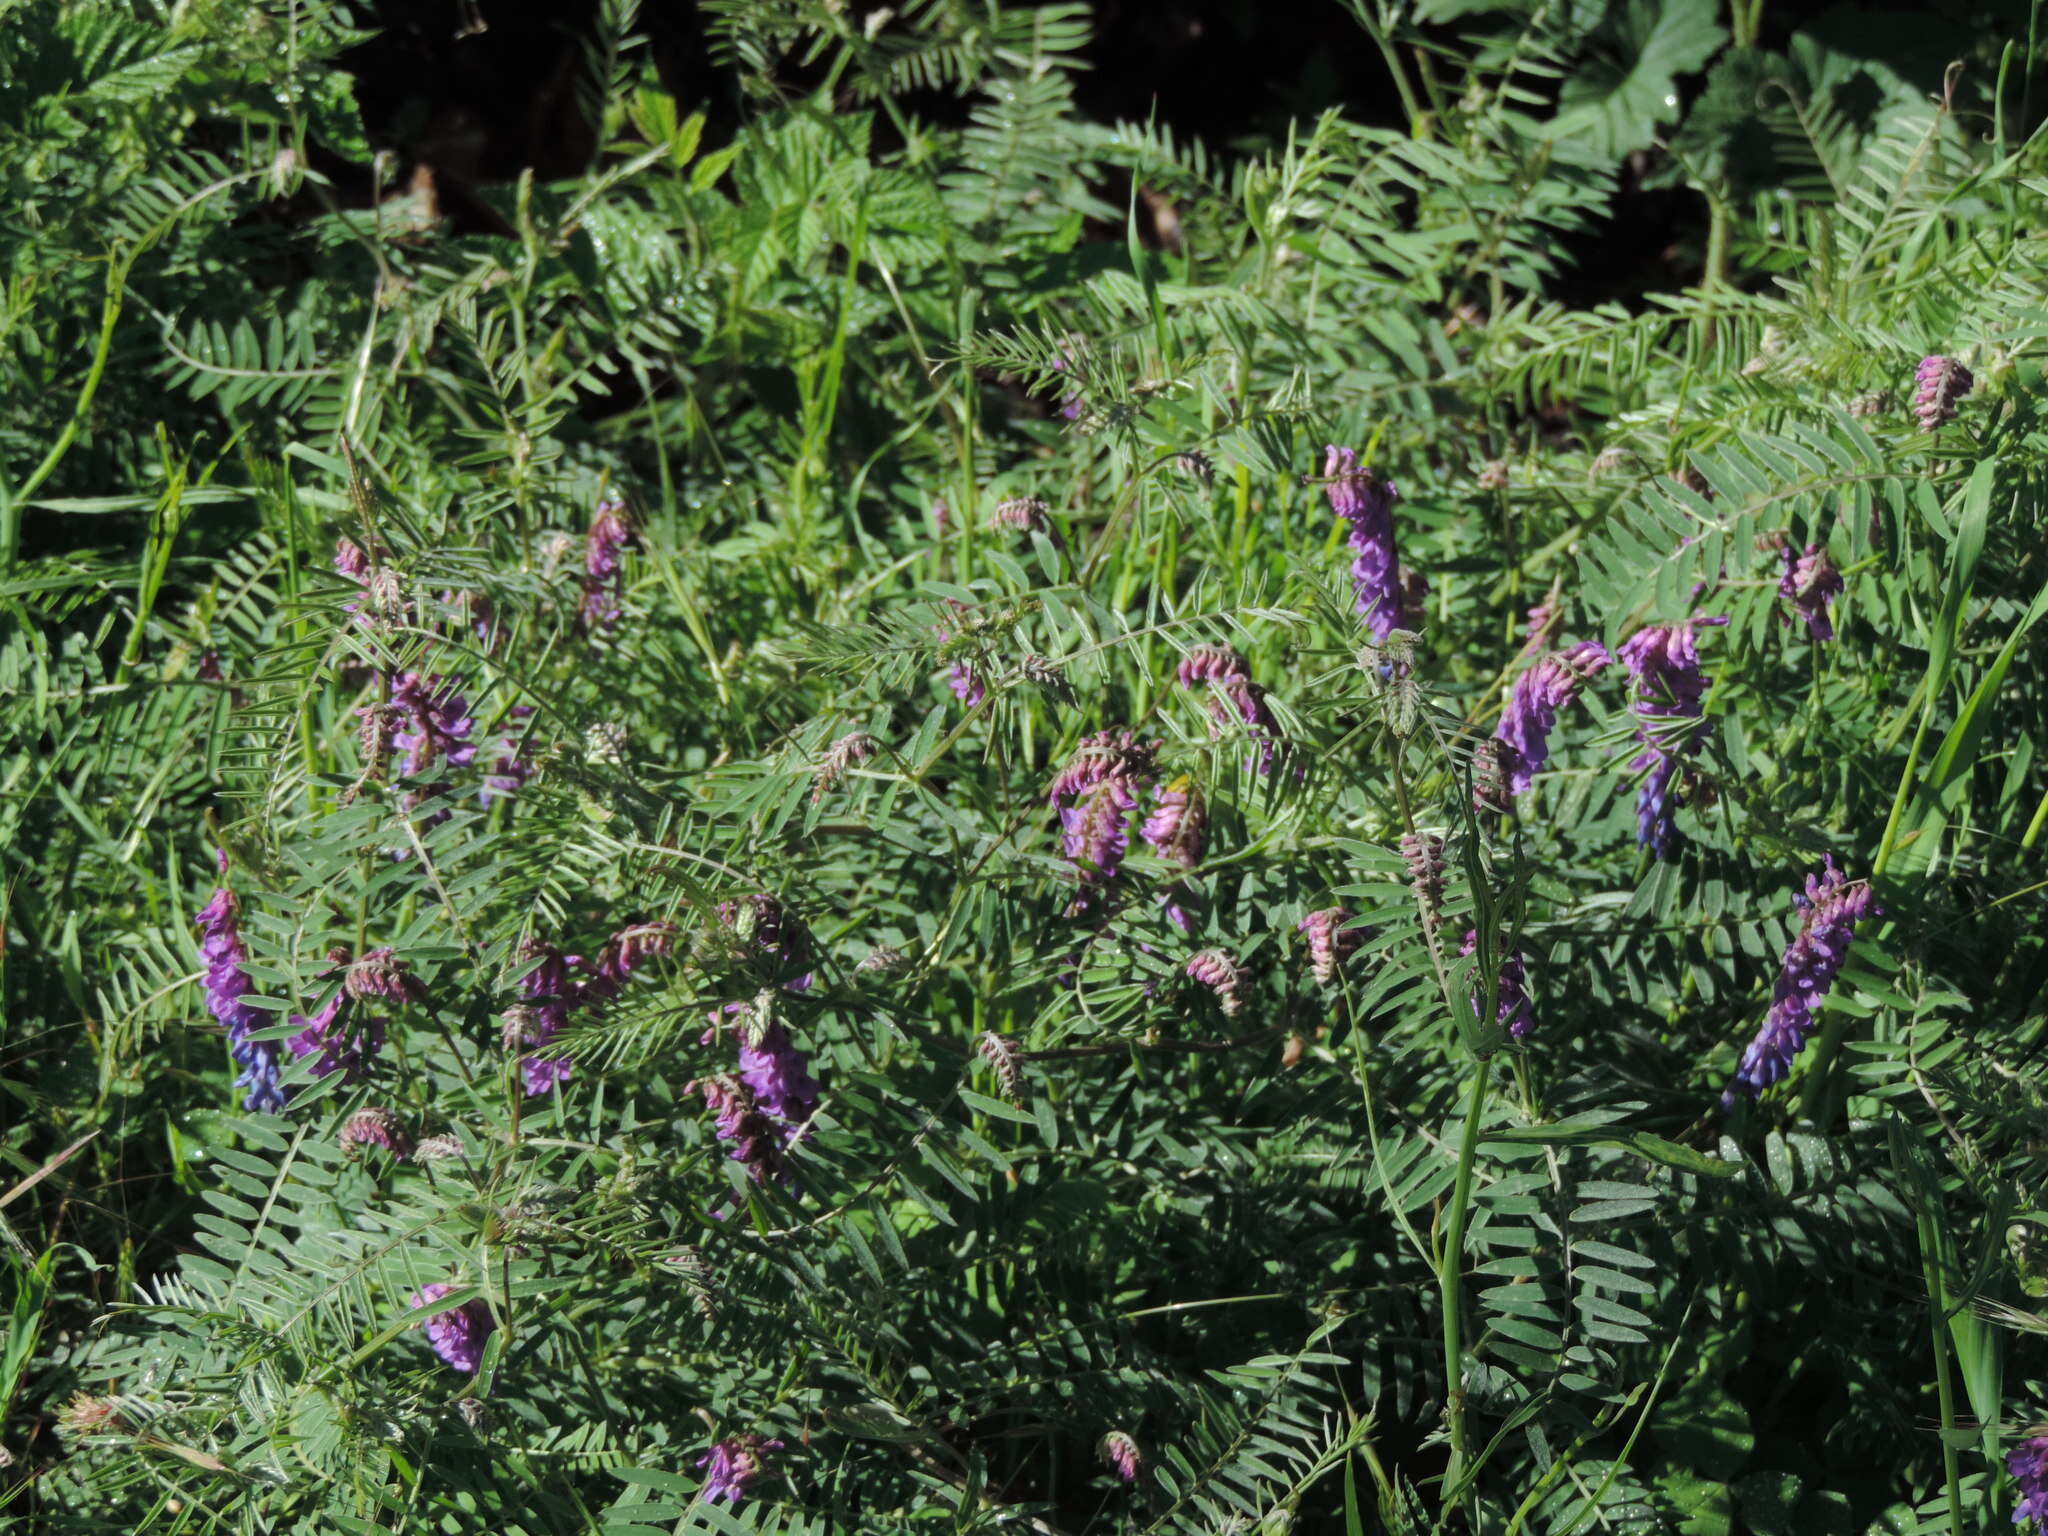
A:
(1531, 714)
(1810, 584)
(2028, 1464)
(559, 984)
(1664, 660)
(1831, 908)
(1366, 502)
(1234, 699)
(1095, 794)
(456, 1333)
(756, 1141)
(732, 1466)
(379, 976)
(766, 1108)
(226, 985)
(327, 1037)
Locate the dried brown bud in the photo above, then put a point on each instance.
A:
(1001, 1054)
(85, 1416)
(854, 747)
(435, 1148)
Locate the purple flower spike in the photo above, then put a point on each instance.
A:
(1366, 502)
(1103, 755)
(1174, 828)
(778, 1075)
(226, 984)
(1832, 906)
(436, 722)
(376, 1128)
(1121, 1452)
(1234, 699)
(1539, 694)
(1544, 620)
(732, 1466)
(1939, 383)
(1219, 973)
(2028, 1464)
(1097, 830)
(1209, 664)
(1329, 941)
(458, 1333)
(1665, 663)
(1810, 584)
(609, 536)
(1512, 1010)
(552, 994)
(756, 1140)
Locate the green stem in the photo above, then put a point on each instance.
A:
(11, 501)
(1451, 1279)
(1944, 1389)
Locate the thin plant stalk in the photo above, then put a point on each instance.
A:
(1450, 1271)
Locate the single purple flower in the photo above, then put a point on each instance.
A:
(1512, 1010)
(1939, 382)
(1330, 941)
(1665, 663)
(1831, 908)
(732, 1466)
(1810, 584)
(966, 683)
(2028, 1464)
(457, 1333)
(1539, 693)
(1121, 1452)
(1366, 502)
(226, 985)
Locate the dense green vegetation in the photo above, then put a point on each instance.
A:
(816, 772)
